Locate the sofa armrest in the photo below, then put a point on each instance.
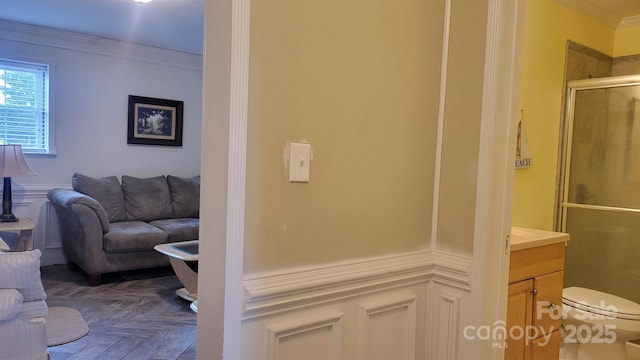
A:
(10, 304)
(83, 224)
(64, 200)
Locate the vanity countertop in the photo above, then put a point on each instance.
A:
(524, 238)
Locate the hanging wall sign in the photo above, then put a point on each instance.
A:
(523, 156)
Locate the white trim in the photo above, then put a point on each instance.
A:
(369, 310)
(272, 293)
(452, 270)
(31, 34)
(448, 327)
(51, 84)
(489, 272)
(629, 21)
(39, 190)
(297, 328)
(239, 95)
(224, 121)
(52, 108)
(440, 133)
(51, 228)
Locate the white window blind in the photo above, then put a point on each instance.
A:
(24, 105)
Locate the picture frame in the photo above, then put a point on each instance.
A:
(154, 121)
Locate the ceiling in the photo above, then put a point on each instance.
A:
(168, 24)
(613, 13)
(178, 24)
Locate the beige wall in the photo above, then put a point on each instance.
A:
(360, 82)
(461, 130)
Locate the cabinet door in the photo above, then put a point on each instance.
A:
(548, 302)
(519, 314)
(546, 347)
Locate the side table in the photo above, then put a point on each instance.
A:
(25, 226)
(184, 260)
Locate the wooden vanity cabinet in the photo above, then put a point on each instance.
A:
(535, 301)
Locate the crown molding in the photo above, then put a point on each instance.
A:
(31, 34)
(629, 21)
(593, 11)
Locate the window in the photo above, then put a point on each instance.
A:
(24, 105)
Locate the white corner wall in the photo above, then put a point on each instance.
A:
(93, 79)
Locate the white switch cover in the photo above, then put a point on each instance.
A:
(299, 162)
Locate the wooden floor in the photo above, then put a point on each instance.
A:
(131, 316)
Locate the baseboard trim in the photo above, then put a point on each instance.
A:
(272, 293)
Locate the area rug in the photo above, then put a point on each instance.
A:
(64, 325)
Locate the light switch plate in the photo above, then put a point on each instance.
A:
(299, 162)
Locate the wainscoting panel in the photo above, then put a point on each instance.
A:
(32, 202)
(375, 341)
(400, 307)
(447, 326)
(316, 338)
(53, 240)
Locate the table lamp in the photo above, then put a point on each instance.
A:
(12, 163)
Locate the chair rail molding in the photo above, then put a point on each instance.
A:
(275, 292)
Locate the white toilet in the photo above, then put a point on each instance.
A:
(597, 325)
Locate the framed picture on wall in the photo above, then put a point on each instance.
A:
(154, 121)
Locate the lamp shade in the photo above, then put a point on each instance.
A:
(13, 163)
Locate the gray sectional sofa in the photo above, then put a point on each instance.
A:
(109, 226)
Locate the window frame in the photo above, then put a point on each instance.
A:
(50, 85)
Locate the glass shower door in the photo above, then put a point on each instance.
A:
(600, 205)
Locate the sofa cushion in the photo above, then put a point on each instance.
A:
(185, 196)
(182, 229)
(129, 236)
(147, 199)
(106, 191)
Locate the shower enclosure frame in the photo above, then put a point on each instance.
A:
(573, 87)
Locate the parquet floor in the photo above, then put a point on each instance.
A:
(131, 316)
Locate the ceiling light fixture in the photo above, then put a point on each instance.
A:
(142, 1)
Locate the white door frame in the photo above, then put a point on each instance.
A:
(224, 130)
(496, 166)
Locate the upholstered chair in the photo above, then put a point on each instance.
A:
(23, 310)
